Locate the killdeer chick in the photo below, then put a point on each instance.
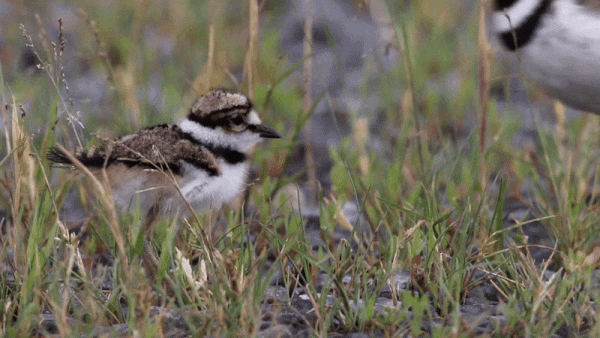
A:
(203, 160)
(556, 43)
(207, 153)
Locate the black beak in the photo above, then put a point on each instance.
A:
(265, 131)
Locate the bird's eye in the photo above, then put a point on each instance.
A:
(237, 120)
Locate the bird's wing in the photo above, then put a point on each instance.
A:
(161, 146)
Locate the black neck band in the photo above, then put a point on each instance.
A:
(520, 36)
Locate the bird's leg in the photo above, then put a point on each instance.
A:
(151, 262)
(148, 258)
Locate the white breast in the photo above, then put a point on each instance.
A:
(142, 189)
(206, 192)
(564, 55)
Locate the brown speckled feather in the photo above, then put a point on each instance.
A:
(222, 108)
(150, 147)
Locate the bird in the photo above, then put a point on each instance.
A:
(557, 45)
(204, 159)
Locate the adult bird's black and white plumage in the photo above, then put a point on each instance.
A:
(556, 43)
(207, 153)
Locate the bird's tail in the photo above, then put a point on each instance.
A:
(57, 156)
